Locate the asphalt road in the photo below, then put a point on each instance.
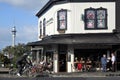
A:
(62, 78)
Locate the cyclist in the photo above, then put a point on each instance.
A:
(21, 62)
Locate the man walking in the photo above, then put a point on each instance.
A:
(104, 63)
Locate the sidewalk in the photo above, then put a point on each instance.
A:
(4, 70)
(87, 74)
(65, 74)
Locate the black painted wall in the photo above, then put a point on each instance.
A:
(118, 15)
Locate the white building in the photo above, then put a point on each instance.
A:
(69, 29)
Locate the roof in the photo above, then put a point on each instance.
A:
(50, 3)
(103, 38)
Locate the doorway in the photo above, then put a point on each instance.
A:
(62, 49)
(62, 62)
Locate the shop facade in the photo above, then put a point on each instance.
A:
(69, 29)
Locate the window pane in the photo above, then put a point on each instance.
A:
(62, 25)
(100, 14)
(90, 24)
(90, 14)
(101, 23)
(62, 15)
(44, 27)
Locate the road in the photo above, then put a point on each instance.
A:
(62, 78)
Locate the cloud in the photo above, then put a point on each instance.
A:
(5, 34)
(26, 34)
(5, 37)
(26, 4)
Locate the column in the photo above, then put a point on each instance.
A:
(55, 59)
(70, 59)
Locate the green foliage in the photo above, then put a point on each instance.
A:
(1, 57)
(16, 52)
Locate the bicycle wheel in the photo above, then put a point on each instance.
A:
(13, 71)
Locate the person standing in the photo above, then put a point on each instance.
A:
(113, 59)
(104, 62)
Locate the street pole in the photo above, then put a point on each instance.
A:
(13, 36)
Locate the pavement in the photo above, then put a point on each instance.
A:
(5, 73)
(88, 74)
(76, 74)
(66, 76)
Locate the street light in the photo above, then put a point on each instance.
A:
(13, 35)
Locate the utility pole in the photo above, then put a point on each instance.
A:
(13, 35)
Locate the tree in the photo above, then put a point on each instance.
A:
(13, 53)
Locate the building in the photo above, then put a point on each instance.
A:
(69, 29)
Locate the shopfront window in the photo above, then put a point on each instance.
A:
(95, 18)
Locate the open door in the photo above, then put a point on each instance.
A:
(62, 63)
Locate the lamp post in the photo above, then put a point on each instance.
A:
(13, 36)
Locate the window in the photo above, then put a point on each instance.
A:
(44, 27)
(96, 18)
(101, 18)
(40, 29)
(62, 19)
(90, 18)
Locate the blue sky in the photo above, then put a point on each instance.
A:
(19, 13)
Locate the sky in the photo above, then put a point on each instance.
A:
(21, 14)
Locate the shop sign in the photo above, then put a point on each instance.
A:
(50, 21)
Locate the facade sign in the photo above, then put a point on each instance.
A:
(49, 21)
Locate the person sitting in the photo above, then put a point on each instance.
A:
(79, 66)
(76, 63)
(88, 64)
(109, 64)
(50, 66)
(82, 64)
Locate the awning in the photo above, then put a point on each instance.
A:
(99, 38)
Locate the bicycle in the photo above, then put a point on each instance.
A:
(25, 71)
(31, 70)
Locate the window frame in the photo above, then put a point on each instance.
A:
(105, 27)
(40, 28)
(44, 26)
(89, 9)
(63, 20)
(96, 19)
